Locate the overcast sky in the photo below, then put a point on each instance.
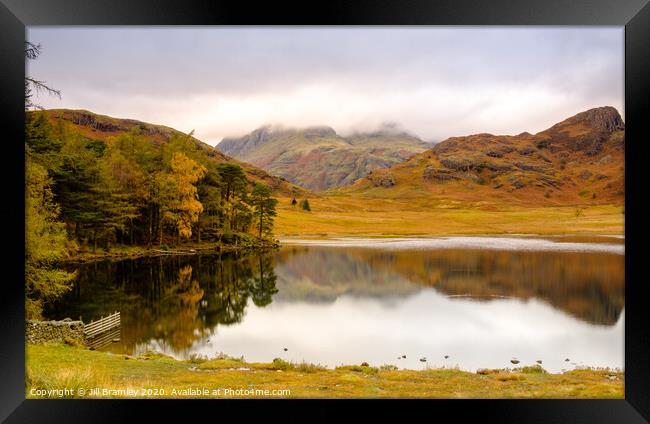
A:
(435, 82)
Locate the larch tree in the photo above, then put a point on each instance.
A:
(46, 242)
(185, 206)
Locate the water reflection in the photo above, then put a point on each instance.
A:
(335, 305)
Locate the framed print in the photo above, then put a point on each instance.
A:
(349, 200)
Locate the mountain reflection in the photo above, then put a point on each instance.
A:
(176, 302)
(587, 285)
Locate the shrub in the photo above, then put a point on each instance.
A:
(388, 367)
(281, 364)
(358, 368)
(533, 369)
(305, 205)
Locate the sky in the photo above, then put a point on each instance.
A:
(434, 82)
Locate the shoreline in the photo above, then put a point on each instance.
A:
(121, 252)
(59, 366)
(134, 252)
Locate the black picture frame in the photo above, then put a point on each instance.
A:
(15, 15)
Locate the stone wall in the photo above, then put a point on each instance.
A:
(66, 331)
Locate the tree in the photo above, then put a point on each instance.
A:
(294, 202)
(264, 208)
(32, 51)
(233, 196)
(305, 205)
(46, 242)
(184, 207)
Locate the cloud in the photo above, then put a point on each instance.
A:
(434, 81)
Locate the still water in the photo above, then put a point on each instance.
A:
(479, 301)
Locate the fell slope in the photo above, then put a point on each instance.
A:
(102, 127)
(577, 161)
(318, 158)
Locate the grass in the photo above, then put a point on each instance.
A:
(152, 375)
(344, 215)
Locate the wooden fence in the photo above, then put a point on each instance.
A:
(103, 331)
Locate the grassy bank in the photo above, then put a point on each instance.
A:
(335, 216)
(51, 367)
(188, 248)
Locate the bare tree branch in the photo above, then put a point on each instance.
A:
(32, 51)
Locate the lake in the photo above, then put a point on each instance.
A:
(480, 301)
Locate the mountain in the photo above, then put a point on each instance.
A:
(318, 158)
(101, 127)
(579, 160)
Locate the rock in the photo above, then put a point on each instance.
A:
(584, 175)
(382, 180)
(438, 175)
(516, 182)
(526, 151)
(65, 331)
(605, 160)
(364, 364)
(529, 167)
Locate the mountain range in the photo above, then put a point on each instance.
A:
(317, 158)
(579, 160)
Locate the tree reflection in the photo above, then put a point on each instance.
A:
(173, 300)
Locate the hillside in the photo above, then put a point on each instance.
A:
(101, 127)
(577, 161)
(318, 158)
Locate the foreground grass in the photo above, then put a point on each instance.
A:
(343, 215)
(51, 367)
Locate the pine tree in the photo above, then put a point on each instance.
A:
(264, 208)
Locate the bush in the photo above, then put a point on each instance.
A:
(281, 364)
(534, 369)
(305, 205)
(358, 368)
(388, 367)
